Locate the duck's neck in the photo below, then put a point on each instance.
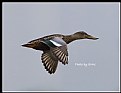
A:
(69, 38)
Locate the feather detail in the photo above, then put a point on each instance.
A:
(49, 61)
(61, 53)
(54, 42)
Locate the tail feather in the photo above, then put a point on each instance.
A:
(28, 45)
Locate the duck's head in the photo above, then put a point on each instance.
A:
(83, 35)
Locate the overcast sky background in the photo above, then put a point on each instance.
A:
(22, 67)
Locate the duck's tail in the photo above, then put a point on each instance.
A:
(28, 45)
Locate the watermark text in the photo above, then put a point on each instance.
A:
(85, 64)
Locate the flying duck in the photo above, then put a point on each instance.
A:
(54, 48)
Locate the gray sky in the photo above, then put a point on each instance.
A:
(22, 67)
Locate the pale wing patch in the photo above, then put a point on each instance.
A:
(55, 43)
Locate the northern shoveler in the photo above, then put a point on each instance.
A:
(54, 48)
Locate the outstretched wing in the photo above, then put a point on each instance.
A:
(61, 53)
(60, 50)
(49, 61)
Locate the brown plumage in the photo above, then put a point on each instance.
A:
(54, 48)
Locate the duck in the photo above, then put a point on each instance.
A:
(54, 48)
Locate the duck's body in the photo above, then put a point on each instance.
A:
(54, 48)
